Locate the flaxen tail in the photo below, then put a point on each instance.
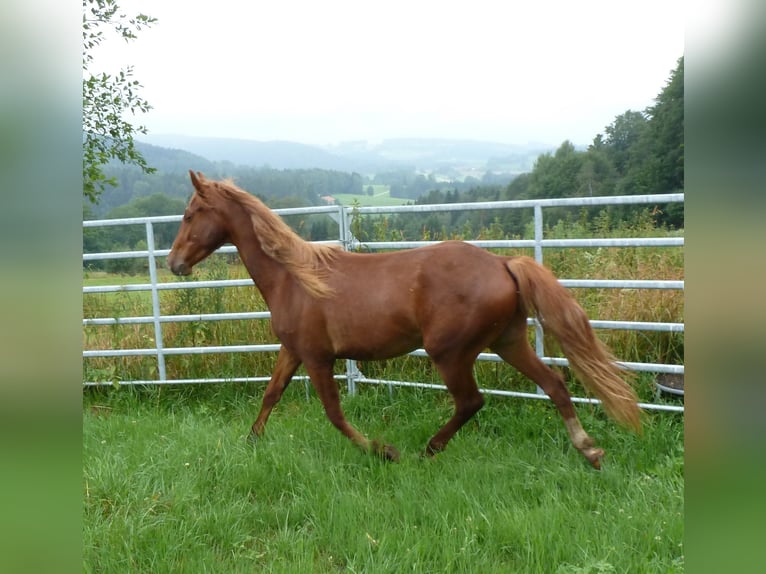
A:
(588, 357)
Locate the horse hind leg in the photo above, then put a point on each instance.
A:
(327, 389)
(458, 377)
(522, 357)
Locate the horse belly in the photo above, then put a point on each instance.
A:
(365, 335)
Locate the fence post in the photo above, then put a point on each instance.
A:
(539, 334)
(155, 302)
(538, 233)
(347, 240)
(352, 374)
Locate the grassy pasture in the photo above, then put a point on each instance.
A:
(171, 485)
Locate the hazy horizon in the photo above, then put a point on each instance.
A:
(338, 71)
(369, 142)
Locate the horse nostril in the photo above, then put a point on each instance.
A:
(177, 267)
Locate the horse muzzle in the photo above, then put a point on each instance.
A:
(178, 267)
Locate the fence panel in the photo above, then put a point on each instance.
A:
(344, 217)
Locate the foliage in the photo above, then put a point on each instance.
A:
(278, 188)
(131, 237)
(106, 98)
(639, 153)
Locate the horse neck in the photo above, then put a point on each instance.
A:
(268, 274)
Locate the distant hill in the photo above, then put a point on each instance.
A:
(427, 154)
(172, 160)
(295, 172)
(421, 154)
(274, 154)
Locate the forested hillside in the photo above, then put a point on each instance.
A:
(640, 152)
(277, 187)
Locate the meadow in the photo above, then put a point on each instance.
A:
(170, 483)
(381, 195)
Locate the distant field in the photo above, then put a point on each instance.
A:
(381, 196)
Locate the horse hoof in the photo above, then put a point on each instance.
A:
(430, 453)
(390, 453)
(385, 451)
(594, 456)
(252, 438)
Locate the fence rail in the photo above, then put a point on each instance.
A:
(343, 215)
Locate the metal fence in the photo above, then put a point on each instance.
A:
(343, 216)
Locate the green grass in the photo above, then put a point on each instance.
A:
(171, 485)
(120, 303)
(381, 197)
(100, 278)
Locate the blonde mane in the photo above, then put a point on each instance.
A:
(307, 262)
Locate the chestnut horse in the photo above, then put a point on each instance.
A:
(452, 298)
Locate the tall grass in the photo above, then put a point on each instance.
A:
(607, 304)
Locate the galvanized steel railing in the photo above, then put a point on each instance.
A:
(342, 215)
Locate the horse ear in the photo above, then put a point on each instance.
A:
(197, 180)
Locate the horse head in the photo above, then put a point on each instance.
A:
(202, 230)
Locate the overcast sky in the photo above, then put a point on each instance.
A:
(329, 71)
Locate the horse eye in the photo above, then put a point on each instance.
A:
(187, 217)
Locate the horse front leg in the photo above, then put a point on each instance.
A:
(327, 389)
(284, 370)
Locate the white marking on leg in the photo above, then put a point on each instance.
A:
(577, 434)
